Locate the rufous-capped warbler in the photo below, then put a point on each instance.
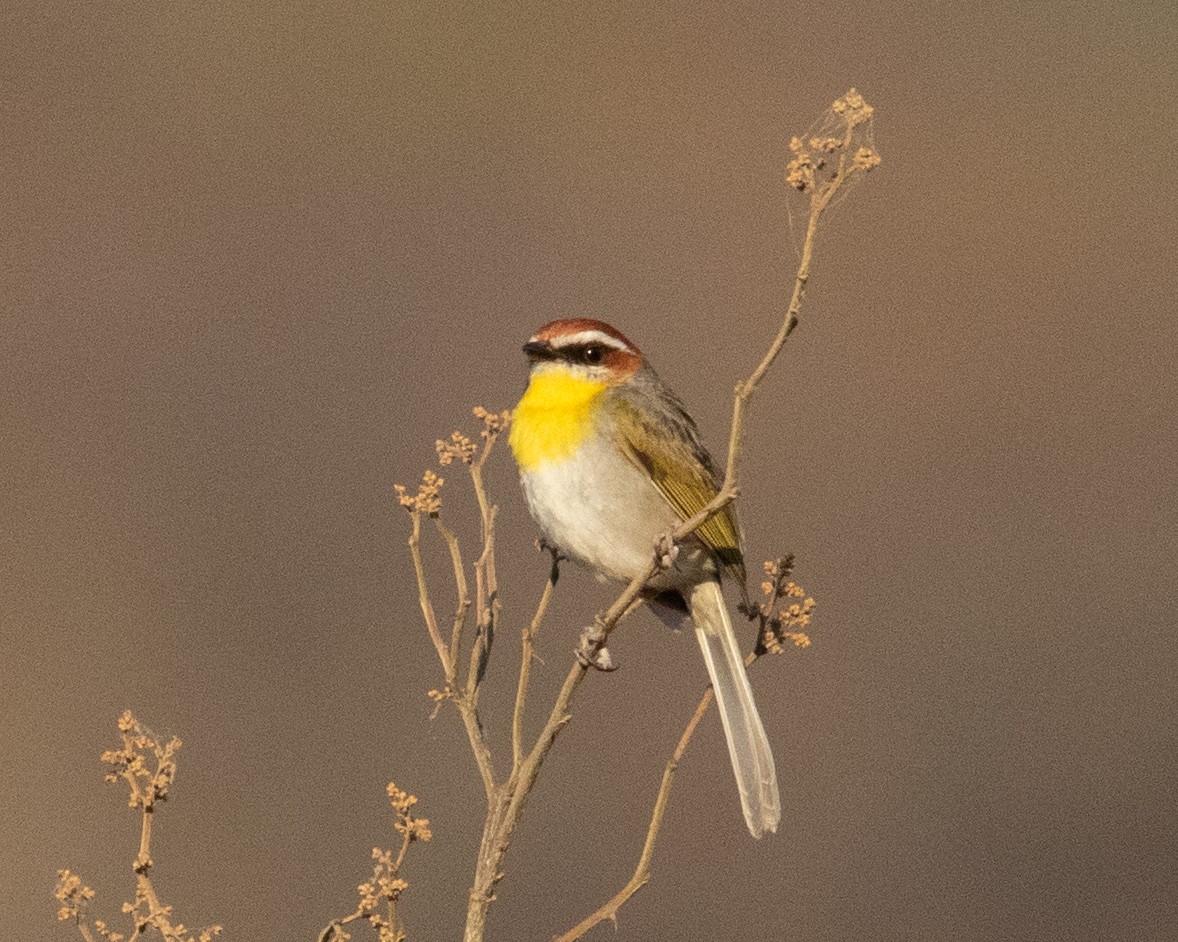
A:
(610, 461)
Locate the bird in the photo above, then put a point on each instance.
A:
(611, 461)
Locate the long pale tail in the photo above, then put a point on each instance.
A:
(752, 760)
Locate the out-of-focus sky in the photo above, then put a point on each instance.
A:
(255, 258)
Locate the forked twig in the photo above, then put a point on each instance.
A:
(148, 766)
(527, 655)
(810, 173)
(805, 175)
(641, 876)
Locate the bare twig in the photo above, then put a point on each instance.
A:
(641, 875)
(428, 502)
(527, 654)
(423, 597)
(849, 113)
(462, 606)
(386, 883)
(486, 578)
(507, 799)
(149, 768)
(776, 625)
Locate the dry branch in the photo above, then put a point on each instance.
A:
(822, 169)
(148, 767)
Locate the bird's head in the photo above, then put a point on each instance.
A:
(584, 348)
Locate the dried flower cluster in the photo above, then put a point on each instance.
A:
(853, 108)
(785, 610)
(73, 895)
(149, 769)
(130, 762)
(380, 894)
(494, 423)
(428, 499)
(414, 829)
(838, 148)
(460, 448)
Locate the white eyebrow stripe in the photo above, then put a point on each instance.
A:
(590, 336)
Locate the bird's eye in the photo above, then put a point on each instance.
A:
(593, 355)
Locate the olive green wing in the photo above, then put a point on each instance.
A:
(659, 437)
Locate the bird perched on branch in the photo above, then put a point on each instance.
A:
(611, 462)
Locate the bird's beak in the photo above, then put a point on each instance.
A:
(538, 350)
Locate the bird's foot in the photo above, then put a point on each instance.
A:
(592, 652)
(666, 550)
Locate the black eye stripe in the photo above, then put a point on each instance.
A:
(590, 353)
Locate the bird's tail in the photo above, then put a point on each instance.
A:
(752, 760)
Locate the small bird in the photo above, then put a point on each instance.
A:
(610, 461)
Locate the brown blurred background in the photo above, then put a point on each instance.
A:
(257, 257)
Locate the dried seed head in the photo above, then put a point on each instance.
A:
(427, 500)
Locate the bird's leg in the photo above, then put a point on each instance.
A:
(544, 546)
(592, 652)
(666, 550)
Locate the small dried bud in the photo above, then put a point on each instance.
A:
(493, 422)
(459, 448)
(839, 146)
(72, 893)
(427, 500)
(420, 830)
(866, 159)
(400, 800)
(799, 172)
(779, 625)
(853, 108)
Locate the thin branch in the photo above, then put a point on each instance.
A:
(505, 815)
(394, 923)
(467, 708)
(487, 594)
(729, 490)
(641, 875)
(427, 607)
(486, 617)
(486, 579)
(462, 606)
(506, 805)
(853, 111)
(527, 654)
(149, 769)
(478, 742)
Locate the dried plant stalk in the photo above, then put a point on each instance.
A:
(148, 766)
(837, 154)
(821, 169)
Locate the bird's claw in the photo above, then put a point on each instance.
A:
(592, 652)
(543, 546)
(666, 550)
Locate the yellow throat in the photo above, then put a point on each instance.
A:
(556, 414)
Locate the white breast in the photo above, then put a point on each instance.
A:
(600, 509)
